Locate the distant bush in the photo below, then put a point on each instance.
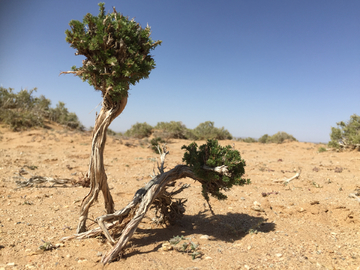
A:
(346, 135)
(264, 138)
(248, 140)
(170, 130)
(321, 149)
(207, 130)
(155, 142)
(22, 110)
(279, 137)
(62, 116)
(139, 131)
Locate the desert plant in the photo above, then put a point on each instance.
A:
(263, 138)
(155, 143)
(211, 155)
(346, 135)
(249, 140)
(117, 55)
(22, 110)
(171, 130)
(321, 149)
(279, 137)
(207, 130)
(139, 130)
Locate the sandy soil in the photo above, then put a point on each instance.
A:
(311, 223)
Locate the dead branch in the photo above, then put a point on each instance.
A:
(37, 180)
(285, 182)
(127, 219)
(352, 195)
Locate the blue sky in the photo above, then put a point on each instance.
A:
(253, 67)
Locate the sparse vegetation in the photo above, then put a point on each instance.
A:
(171, 130)
(139, 130)
(248, 140)
(214, 155)
(346, 135)
(207, 130)
(22, 110)
(279, 137)
(321, 149)
(155, 142)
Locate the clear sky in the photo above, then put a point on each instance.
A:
(253, 67)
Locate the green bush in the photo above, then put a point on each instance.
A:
(207, 130)
(155, 142)
(22, 110)
(264, 138)
(171, 130)
(279, 137)
(321, 149)
(346, 135)
(248, 140)
(139, 131)
(214, 155)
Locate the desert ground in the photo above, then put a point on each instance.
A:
(309, 223)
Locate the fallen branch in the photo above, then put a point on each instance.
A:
(352, 195)
(285, 182)
(37, 180)
(126, 220)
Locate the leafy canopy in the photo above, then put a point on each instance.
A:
(346, 134)
(116, 50)
(214, 155)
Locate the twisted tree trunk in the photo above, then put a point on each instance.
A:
(96, 172)
(127, 219)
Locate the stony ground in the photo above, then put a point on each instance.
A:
(310, 223)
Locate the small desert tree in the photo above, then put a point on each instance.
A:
(346, 135)
(117, 55)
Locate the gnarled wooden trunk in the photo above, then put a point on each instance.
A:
(96, 172)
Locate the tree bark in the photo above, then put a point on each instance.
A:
(96, 172)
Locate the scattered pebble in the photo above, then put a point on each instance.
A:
(204, 236)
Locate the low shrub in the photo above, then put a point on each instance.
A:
(170, 130)
(346, 135)
(207, 130)
(22, 110)
(139, 130)
(279, 137)
(248, 140)
(155, 142)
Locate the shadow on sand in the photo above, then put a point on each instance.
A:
(227, 228)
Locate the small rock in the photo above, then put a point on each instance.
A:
(278, 254)
(166, 247)
(11, 264)
(246, 266)
(301, 210)
(60, 245)
(99, 254)
(204, 236)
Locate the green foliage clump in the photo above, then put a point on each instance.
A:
(61, 115)
(171, 130)
(346, 135)
(263, 138)
(22, 110)
(139, 131)
(155, 142)
(248, 140)
(279, 137)
(214, 155)
(116, 50)
(321, 149)
(207, 130)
